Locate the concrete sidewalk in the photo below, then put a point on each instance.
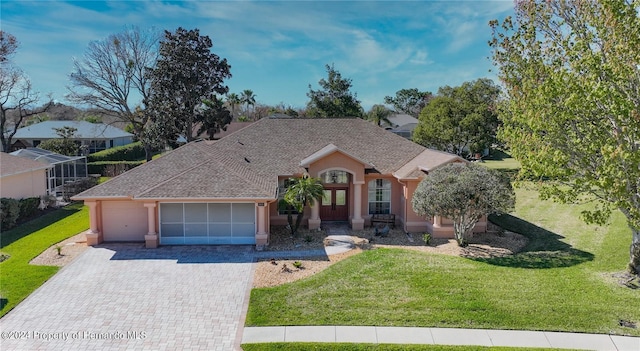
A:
(440, 336)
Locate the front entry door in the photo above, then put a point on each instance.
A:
(334, 206)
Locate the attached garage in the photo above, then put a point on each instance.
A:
(207, 223)
(124, 220)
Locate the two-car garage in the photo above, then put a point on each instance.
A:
(207, 223)
(182, 223)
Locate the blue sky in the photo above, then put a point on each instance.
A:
(276, 48)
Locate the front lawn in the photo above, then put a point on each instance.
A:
(376, 347)
(18, 278)
(561, 282)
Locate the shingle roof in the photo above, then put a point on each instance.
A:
(11, 165)
(85, 130)
(247, 163)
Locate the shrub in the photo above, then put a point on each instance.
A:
(130, 152)
(9, 212)
(427, 238)
(28, 207)
(111, 168)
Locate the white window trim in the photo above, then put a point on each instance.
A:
(369, 200)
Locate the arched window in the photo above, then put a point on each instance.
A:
(334, 177)
(379, 196)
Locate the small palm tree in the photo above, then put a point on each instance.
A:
(233, 100)
(301, 192)
(379, 114)
(248, 98)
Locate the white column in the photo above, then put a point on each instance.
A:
(357, 200)
(151, 218)
(262, 235)
(315, 221)
(93, 235)
(357, 222)
(151, 238)
(93, 217)
(437, 221)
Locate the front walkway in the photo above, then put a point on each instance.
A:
(440, 336)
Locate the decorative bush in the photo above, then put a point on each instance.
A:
(28, 207)
(9, 213)
(111, 168)
(427, 238)
(129, 152)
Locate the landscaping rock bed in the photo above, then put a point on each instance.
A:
(69, 249)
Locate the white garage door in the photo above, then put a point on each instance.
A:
(207, 223)
(124, 221)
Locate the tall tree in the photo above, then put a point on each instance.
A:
(379, 114)
(186, 75)
(460, 119)
(334, 99)
(572, 112)
(409, 101)
(248, 98)
(112, 76)
(17, 99)
(233, 100)
(464, 193)
(8, 45)
(213, 118)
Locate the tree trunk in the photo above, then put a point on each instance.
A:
(634, 252)
(148, 152)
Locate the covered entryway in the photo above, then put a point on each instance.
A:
(207, 223)
(334, 205)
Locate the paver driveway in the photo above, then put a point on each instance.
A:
(125, 297)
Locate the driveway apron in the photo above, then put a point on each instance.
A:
(126, 297)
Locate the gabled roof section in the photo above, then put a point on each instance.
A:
(247, 163)
(12, 165)
(328, 150)
(85, 130)
(426, 161)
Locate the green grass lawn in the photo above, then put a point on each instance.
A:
(375, 347)
(18, 278)
(560, 282)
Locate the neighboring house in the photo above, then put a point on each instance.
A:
(94, 136)
(62, 169)
(21, 177)
(402, 125)
(227, 191)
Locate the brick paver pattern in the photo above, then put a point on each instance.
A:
(125, 297)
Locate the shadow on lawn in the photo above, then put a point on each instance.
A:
(544, 249)
(26, 228)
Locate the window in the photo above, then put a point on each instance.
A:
(284, 210)
(334, 177)
(379, 196)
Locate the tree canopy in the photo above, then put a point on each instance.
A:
(301, 192)
(463, 192)
(334, 98)
(572, 110)
(186, 75)
(113, 77)
(17, 99)
(65, 145)
(409, 101)
(460, 119)
(379, 114)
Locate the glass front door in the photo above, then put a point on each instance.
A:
(334, 205)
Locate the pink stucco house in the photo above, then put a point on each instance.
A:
(21, 177)
(227, 191)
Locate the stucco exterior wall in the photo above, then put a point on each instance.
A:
(338, 161)
(23, 185)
